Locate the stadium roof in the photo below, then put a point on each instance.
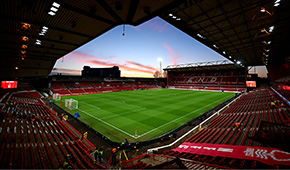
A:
(35, 33)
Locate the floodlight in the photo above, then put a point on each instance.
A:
(37, 42)
(159, 59)
(199, 35)
(56, 5)
(263, 9)
(51, 13)
(24, 39)
(24, 46)
(23, 52)
(53, 9)
(25, 26)
(271, 28)
(238, 62)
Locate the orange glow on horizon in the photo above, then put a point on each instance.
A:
(140, 65)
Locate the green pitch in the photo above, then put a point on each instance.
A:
(153, 113)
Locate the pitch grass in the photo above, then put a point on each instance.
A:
(153, 112)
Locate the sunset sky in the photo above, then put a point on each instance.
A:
(136, 52)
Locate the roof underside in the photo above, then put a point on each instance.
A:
(234, 26)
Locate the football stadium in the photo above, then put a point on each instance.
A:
(188, 110)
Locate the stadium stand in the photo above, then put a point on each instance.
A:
(249, 111)
(59, 88)
(249, 34)
(33, 136)
(85, 87)
(284, 80)
(282, 85)
(45, 141)
(207, 78)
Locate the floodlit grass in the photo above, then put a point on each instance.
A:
(153, 112)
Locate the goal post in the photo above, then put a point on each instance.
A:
(56, 97)
(71, 104)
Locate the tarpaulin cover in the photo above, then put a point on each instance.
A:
(270, 156)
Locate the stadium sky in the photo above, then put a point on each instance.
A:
(137, 52)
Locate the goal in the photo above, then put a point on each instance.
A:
(56, 97)
(71, 104)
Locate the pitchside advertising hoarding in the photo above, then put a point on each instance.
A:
(270, 156)
(8, 84)
(284, 87)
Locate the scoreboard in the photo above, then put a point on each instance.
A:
(8, 84)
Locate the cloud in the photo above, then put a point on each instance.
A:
(96, 62)
(65, 71)
(88, 57)
(141, 65)
(137, 28)
(121, 66)
(104, 62)
(137, 70)
(157, 25)
(173, 55)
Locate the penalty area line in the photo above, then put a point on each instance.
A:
(89, 105)
(108, 124)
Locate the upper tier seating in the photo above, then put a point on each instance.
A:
(233, 81)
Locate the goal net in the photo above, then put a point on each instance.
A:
(56, 97)
(71, 104)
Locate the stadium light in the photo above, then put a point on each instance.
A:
(199, 35)
(215, 46)
(271, 28)
(263, 9)
(54, 9)
(277, 3)
(238, 62)
(160, 60)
